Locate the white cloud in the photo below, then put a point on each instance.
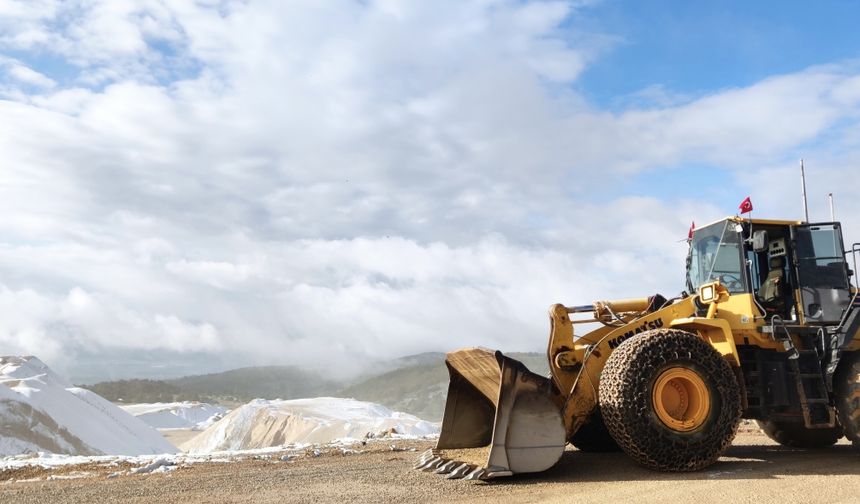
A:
(384, 177)
(220, 274)
(35, 323)
(29, 76)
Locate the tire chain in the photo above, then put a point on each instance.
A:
(625, 401)
(848, 396)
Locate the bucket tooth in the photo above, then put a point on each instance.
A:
(424, 458)
(432, 464)
(460, 471)
(492, 473)
(476, 474)
(446, 467)
(423, 465)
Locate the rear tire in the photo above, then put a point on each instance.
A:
(847, 388)
(594, 437)
(670, 400)
(796, 435)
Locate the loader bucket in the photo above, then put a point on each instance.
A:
(495, 403)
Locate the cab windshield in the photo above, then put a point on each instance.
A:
(716, 254)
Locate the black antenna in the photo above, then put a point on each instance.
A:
(803, 189)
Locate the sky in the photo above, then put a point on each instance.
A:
(199, 185)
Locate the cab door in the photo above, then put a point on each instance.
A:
(822, 272)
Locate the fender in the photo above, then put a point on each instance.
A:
(715, 331)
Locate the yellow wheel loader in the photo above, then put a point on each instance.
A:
(767, 329)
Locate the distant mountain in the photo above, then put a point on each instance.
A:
(415, 384)
(420, 385)
(230, 387)
(266, 382)
(139, 391)
(418, 389)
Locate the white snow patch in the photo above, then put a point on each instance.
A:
(159, 465)
(70, 476)
(42, 412)
(179, 415)
(270, 423)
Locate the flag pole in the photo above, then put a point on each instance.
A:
(751, 225)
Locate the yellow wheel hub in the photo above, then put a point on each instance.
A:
(681, 399)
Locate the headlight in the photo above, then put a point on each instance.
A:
(707, 294)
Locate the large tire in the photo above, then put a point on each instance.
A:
(684, 432)
(847, 388)
(796, 435)
(594, 436)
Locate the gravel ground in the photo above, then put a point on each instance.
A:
(754, 470)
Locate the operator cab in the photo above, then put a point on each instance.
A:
(782, 263)
(769, 269)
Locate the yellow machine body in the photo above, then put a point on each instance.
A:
(524, 421)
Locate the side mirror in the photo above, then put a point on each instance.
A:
(759, 241)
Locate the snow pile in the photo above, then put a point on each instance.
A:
(42, 412)
(178, 415)
(262, 423)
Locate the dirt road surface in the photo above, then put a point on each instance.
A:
(754, 470)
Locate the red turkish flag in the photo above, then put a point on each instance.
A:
(690, 232)
(746, 206)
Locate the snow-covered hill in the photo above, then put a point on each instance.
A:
(178, 415)
(262, 423)
(42, 412)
